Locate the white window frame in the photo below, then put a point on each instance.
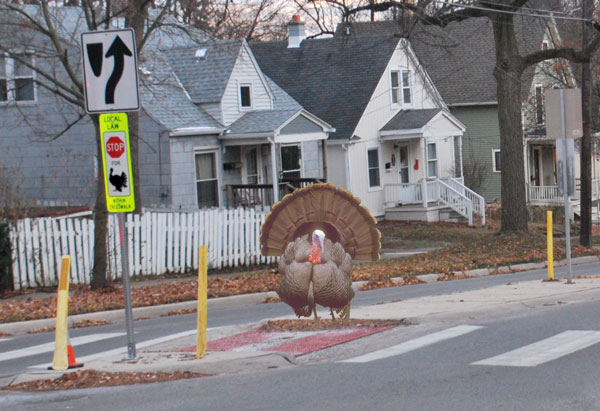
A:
(243, 153)
(369, 168)
(10, 77)
(399, 90)
(217, 156)
(539, 105)
(494, 165)
(300, 160)
(432, 160)
(245, 108)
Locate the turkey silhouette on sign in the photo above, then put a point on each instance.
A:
(115, 147)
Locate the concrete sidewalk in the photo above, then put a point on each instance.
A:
(452, 308)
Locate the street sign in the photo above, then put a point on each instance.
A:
(570, 116)
(116, 161)
(110, 71)
(565, 155)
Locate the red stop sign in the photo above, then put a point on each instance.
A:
(115, 147)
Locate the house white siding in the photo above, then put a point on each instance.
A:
(336, 165)
(244, 73)
(377, 113)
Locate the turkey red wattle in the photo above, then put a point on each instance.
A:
(315, 254)
(317, 244)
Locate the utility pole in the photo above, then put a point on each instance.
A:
(585, 234)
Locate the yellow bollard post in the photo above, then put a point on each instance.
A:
(550, 246)
(61, 360)
(202, 290)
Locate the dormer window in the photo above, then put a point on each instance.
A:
(401, 90)
(245, 96)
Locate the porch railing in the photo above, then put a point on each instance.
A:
(548, 195)
(260, 196)
(448, 193)
(477, 200)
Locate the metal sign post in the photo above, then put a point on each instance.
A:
(116, 157)
(565, 162)
(563, 124)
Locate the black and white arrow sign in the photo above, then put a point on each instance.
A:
(110, 71)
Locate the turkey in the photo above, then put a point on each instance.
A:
(118, 181)
(317, 231)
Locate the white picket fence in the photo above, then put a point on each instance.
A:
(159, 243)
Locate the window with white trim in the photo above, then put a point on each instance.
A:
(400, 86)
(16, 79)
(207, 181)
(291, 164)
(245, 96)
(497, 161)
(373, 167)
(539, 105)
(432, 168)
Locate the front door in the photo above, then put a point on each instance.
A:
(537, 165)
(403, 163)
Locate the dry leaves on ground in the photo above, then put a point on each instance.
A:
(93, 378)
(328, 324)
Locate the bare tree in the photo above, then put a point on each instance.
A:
(509, 67)
(225, 19)
(40, 30)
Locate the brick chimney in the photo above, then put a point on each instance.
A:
(295, 32)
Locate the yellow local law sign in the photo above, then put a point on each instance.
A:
(116, 159)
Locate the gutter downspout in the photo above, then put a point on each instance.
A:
(275, 175)
(324, 154)
(348, 168)
(424, 168)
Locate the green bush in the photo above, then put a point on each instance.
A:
(6, 282)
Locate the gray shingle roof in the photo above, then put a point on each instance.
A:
(166, 101)
(205, 78)
(410, 119)
(331, 78)
(460, 58)
(261, 121)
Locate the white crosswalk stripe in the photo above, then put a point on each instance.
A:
(545, 350)
(48, 347)
(123, 350)
(415, 344)
(5, 339)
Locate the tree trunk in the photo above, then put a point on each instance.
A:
(585, 165)
(508, 79)
(99, 271)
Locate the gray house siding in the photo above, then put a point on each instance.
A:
(183, 171)
(300, 125)
(478, 142)
(154, 158)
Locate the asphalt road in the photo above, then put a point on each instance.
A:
(242, 314)
(434, 377)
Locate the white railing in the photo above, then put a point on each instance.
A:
(548, 195)
(455, 200)
(405, 193)
(159, 242)
(477, 200)
(544, 195)
(452, 193)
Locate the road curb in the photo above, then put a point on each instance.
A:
(23, 327)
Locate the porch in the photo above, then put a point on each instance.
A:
(548, 195)
(433, 200)
(260, 196)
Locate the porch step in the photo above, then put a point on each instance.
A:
(434, 212)
(451, 216)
